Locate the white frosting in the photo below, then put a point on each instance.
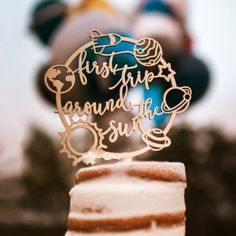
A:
(174, 231)
(125, 196)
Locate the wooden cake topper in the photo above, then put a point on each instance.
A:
(146, 54)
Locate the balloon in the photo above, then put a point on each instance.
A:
(192, 72)
(47, 16)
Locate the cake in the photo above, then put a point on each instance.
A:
(128, 198)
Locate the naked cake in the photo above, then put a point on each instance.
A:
(128, 198)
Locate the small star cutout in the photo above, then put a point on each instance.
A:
(166, 72)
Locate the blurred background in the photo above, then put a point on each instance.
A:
(198, 37)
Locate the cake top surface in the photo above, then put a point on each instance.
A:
(162, 171)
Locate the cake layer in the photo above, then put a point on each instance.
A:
(163, 171)
(153, 231)
(125, 224)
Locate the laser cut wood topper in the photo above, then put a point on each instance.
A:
(146, 65)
